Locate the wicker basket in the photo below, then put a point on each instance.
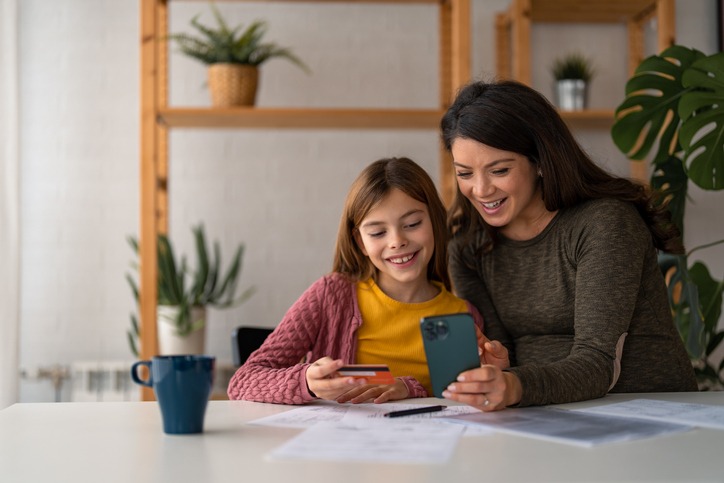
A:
(233, 84)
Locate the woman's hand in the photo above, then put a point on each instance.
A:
(323, 382)
(378, 393)
(486, 388)
(492, 351)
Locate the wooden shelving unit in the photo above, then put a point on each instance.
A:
(513, 26)
(157, 117)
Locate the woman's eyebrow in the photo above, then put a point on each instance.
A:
(489, 165)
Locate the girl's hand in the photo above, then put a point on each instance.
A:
(323, 382)
(486, 388)
(378, 393)
(492, 352)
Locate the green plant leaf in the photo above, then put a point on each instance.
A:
(213, 273)
(688, 317)
(670, 179)
(224, 296)
(710, 296)
(170, 280)
(202, 271)
(223, 44)
(134, 286)
(702, 129)
(650, 110)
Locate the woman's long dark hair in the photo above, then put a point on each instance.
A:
(510, 116)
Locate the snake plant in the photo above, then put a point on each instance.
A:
(179, 285)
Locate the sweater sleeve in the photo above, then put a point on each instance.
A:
(274, 373)
(608, 250)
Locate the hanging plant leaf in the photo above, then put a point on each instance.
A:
(702, 130)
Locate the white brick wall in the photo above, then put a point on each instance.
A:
(280, 192)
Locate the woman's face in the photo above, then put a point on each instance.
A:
(503, 186)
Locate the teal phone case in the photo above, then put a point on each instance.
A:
(451, 347)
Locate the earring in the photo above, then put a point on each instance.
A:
(540, 173)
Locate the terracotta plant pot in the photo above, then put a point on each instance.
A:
(233, 84)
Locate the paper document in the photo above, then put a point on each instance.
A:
(325, 411)
(304, 416)
(378, 411)
(703, 415)
(570, 427)
(379, 441)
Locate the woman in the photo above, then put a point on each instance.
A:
(559, 256)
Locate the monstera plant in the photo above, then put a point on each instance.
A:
(673, 115)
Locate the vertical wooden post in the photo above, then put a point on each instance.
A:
(454, 73)
(152, 11)
(446, 92)
(502, 45)
(460, 44)
(520, 47)
(666, 22)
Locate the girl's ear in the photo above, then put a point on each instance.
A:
(360, 243)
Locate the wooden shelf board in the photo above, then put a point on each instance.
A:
(593, 11)
(589, 117)
(325, 1)
(332, 118)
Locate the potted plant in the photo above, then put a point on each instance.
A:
(184, 294)
(674, 110)
(572, 73)
(233, 56)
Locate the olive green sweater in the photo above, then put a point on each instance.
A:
(564, 301)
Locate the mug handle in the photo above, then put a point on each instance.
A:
(134, 373)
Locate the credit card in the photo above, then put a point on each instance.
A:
(373, 373)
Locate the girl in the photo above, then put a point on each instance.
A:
(389, 271)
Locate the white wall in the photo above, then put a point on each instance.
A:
(279, 191)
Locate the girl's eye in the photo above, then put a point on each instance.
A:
(376, 234)
(463, 174)
(500, 172)
(413, 225)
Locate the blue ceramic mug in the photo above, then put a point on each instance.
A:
(182, 384)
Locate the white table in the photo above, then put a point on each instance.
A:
(124, 442)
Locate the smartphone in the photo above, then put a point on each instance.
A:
(451, 347)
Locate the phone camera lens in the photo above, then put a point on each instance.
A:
(442, 329)
(429, 331)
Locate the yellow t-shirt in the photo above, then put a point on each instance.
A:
(390, 330)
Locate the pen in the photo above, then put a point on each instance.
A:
(408, 412)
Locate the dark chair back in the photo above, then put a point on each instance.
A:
(245, 340)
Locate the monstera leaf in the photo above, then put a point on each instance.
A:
(670, 179)
(702, 130)
(650, 110)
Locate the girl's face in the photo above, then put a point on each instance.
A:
(397, 236)
(502, 186)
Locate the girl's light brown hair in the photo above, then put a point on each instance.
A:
(371, 187)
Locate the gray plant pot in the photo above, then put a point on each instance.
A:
(571, 94)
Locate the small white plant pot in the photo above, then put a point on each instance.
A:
(571, 94)
(169, 340)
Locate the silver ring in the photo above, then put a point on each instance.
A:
(487, 402)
